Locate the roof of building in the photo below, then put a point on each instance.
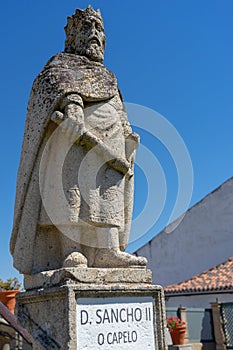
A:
(218, 278)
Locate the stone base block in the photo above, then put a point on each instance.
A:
(94, 316)
(87, 275)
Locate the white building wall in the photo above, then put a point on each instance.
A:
(198, 301)
(202, 240)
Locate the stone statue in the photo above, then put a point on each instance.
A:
(75, 181)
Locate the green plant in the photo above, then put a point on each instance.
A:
(10, 284)
(175, 322)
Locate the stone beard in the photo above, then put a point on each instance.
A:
(75, 111)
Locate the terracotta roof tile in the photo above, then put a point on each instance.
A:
(219, 277)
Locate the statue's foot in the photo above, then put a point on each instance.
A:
(75, 259)
(115, 258)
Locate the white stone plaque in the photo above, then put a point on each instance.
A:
(115, 323)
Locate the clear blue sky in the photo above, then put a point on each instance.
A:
(173, 56)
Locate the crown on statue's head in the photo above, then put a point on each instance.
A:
(77, 36)
(79, 15)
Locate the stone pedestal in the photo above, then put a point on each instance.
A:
(112, 309)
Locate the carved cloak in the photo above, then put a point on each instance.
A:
(63, 74)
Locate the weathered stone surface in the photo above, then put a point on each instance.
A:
(74, 193)
(84, 44)
(87, 275)
(74, 206)
(57, 325)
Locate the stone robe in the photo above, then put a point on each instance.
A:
(106, 198)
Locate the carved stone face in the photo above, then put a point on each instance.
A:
(90, 39)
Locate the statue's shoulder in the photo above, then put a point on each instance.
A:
(67, 60)
(71, 61)
(65, 72)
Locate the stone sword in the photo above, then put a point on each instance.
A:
(89, 140)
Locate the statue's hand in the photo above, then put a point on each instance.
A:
(71, 122)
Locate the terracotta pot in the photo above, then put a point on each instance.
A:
(178, 335)
(7, 297)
